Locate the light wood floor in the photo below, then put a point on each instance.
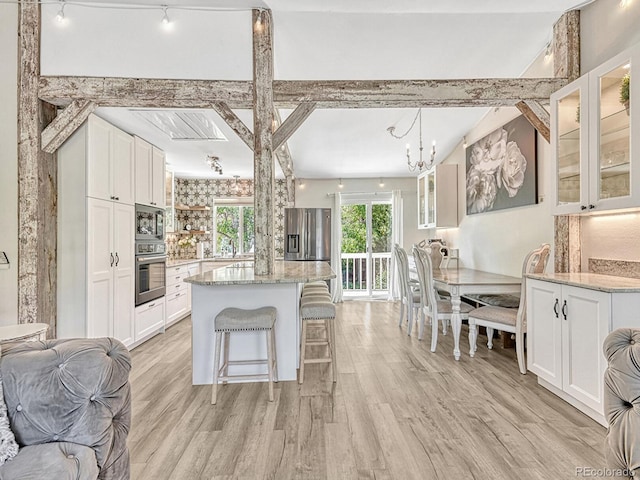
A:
(398, 411)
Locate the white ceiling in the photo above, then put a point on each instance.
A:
(314, 39)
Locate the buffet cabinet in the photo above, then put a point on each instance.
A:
(438, 197)
(566, 327)
(592, 131)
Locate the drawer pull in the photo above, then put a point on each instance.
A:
(152, 305)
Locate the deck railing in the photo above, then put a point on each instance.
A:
(354, 272)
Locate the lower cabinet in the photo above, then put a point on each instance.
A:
(566, 327)
(178, 291)
(149, 318)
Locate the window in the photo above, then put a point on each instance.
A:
(233, 229)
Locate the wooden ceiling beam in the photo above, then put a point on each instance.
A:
(538, 116)
(234, 123)
(65, 123)
(292, 123)
(166, 93)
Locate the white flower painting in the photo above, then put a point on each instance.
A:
(501, 169)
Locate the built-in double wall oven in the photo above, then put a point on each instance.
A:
(151, 258)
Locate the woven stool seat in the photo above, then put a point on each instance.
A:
(231, 320)
(317, 307)
(320, 283)
(237, 319)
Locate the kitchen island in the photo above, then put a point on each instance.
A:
(238, 286)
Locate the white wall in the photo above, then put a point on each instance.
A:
(607, 29)
(498, 241)
(9, 161)
(315, 194)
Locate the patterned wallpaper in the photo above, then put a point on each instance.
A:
(199, 191)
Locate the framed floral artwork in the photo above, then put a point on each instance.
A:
(501, 168)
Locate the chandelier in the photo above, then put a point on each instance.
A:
(419, 164)
(214, 163)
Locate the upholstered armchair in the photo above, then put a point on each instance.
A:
(69, 405)
(622, 400)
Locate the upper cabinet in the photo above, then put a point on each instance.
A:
(438, 197)
(110, 169)
(591, 136)
(150, 174)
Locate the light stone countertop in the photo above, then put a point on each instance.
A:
(592, 281)
(242, 273)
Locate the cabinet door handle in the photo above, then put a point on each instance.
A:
(117, 198)
(583, 207)
(117, 259)
(564, 309)
(556, 308)
(591, 207)
(178, 277)
(112, 259)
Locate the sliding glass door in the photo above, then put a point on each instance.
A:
(366, 247)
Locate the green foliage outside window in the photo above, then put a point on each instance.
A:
(233, 222)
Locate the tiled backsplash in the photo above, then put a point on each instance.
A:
(199, 191)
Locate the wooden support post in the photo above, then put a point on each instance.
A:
(566, 46)
(66, 124)
(263, 141)
(37, 184)
(538, 116)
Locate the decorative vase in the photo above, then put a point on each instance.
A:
(200, 250)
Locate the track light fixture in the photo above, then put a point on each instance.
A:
(165, 18)
(60, 14)
(214, 163)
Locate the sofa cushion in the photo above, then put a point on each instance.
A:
(71, 390)
(55, 461)
(8, 444)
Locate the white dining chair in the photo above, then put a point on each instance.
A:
(433, 307)
(512, 320)
(409, 289)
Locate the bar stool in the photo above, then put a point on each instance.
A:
(318, 307)
(232, 320)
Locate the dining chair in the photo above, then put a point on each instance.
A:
(409, 289)
(512, 320)
(433, 307)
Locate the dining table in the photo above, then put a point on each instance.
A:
(464, 281)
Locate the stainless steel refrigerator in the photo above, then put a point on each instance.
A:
(307, 234)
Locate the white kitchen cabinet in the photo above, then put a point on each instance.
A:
(110, 270)
(109, 162)
(591, 136)
(178, 291)
(95, 275)
(149, 319)
(438, 197)
(566, 327)
(150, 174)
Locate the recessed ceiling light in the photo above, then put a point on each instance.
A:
(183, 124)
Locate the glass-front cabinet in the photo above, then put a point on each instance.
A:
(592, 132)
(437, 197)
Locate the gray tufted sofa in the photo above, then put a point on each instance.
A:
(622, 401)
(69, 404)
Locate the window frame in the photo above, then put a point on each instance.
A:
(239, 241)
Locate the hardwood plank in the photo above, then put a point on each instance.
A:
(432, 417)
(65, 124)
(292, 123)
